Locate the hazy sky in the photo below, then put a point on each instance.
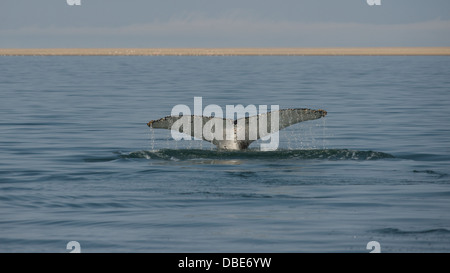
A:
(226, 23)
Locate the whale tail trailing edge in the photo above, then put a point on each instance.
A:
(240, 130)
(286, 118)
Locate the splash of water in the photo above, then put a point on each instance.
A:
(152, 139)
(309, 154)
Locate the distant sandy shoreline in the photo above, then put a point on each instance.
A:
(373, 51)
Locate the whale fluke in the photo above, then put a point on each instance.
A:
(241, 134)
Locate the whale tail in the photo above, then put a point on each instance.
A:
(236, 134)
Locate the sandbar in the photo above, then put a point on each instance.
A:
(361, 51)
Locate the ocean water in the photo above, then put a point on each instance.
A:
(78, 163)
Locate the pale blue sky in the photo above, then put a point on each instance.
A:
(230, 23)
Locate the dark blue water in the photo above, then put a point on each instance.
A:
(78, 163)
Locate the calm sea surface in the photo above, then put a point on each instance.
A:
(78, 163)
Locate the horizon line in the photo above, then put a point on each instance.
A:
(231, 51)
